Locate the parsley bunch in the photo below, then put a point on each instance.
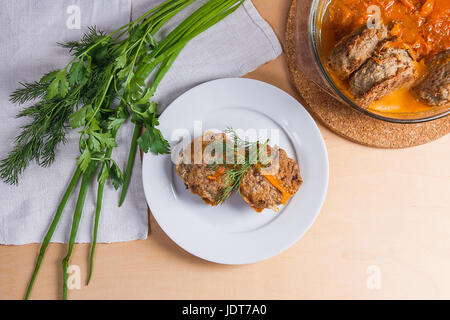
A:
(101, 88)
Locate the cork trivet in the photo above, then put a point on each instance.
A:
(350, 123)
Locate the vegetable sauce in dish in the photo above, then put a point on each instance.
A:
(419, 27)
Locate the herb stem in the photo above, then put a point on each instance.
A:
(100, 191)
(130, 163)
(101, 101)
(51, 230)
(132, 23)
(164, 68)
(85, 181)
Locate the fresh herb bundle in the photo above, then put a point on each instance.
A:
(102, 87)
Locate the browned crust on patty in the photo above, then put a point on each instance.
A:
(353, 50)
(434, 87)
(438, 58)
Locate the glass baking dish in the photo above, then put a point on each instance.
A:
(308, 44)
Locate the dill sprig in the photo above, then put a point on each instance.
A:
(91, 37)
(245, 155)
(39, 138)
(29, 92)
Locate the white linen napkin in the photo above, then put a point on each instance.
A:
(29, 30)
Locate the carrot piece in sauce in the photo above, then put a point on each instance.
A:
(408, 4)
(427, 8)
(396, 30)
(219, 172)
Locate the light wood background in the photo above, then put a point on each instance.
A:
(387, 212)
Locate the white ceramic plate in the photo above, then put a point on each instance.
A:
(233, 233)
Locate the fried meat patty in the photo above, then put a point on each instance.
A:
(439, 58)
(353, 50)
(203, 179)
(434, 87)
(260, 193)
(386, 71)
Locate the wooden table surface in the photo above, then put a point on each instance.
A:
(384, 232)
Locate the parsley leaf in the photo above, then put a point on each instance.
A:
(53, 89)
(77, 73)
(49, 77)
(99, 140)
(104, 174)
(85, 159)
(115, 123)
(153, 140)
(78, 118)
(121, 61)
(116, 176)
(59, 85)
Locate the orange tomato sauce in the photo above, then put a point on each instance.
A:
(285, 195)
(423, 26)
